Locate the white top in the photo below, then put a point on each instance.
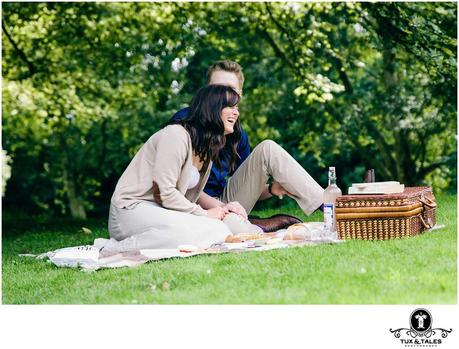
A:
(194, 179)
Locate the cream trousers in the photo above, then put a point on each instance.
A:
(148, 225)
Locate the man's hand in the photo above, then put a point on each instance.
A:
(279, 191)
(237, 208)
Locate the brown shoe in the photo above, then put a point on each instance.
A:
(274, 223)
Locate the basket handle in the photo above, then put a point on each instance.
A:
(427, 226)
(428, 202)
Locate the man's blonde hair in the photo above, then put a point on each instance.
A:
(229, 66)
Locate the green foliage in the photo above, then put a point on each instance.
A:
(355, 85)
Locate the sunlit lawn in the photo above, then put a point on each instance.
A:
(418, 270)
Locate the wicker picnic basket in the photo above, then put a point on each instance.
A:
(385, 216)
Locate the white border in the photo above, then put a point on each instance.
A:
(304, 326)
(217, 326)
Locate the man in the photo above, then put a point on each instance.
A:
(239, 190)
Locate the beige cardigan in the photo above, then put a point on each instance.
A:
(160, 172)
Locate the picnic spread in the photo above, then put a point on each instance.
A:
(94, 257)
(374, 211)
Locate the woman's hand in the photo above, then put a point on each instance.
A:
(237, 208)
(217, 212)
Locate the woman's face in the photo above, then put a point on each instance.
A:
(229, 118)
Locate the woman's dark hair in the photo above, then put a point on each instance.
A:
(205, 125)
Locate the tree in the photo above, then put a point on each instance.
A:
(81, 86)
(393, 111)
(357, 85)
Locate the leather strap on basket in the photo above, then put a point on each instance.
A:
(428, 202)
(426, 226)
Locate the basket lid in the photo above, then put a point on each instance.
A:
(409, 192)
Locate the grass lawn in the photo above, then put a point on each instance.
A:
(421, 270)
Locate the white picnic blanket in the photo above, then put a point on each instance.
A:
(93, 257)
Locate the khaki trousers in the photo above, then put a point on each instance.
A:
(269, 159)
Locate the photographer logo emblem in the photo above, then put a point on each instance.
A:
(421, 333)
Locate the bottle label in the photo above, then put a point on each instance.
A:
(329, 218)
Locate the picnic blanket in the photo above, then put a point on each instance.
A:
(93, 257)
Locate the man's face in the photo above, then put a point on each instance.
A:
(221, 77)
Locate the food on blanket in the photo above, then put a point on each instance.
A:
(273, 241)
(295, 232)
(243, 237)
(304, 231)
(268, 235)
(187, 248)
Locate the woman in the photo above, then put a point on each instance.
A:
(154, 203)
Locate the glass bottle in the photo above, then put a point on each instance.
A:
(330, 195)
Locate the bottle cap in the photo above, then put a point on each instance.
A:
(331, 168)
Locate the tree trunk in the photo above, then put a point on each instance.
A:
(76, 204)
(391, 81)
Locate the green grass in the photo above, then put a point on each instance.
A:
(419, 270)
